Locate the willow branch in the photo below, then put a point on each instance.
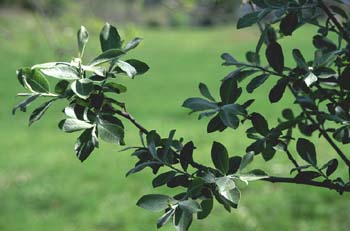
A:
(324, 184)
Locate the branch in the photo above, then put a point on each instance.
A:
(323, 132)
(132, 120)
(334, 20)
(324, 184)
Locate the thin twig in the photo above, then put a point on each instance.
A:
(132, 120)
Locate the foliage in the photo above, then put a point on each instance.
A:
(320, 87)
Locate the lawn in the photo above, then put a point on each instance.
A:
(44, 187)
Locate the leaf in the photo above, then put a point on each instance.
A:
(73, 125)
(289, 23)
(186, 155)
(274, 55)
(37, 82)
(246, 160)
(195, 187)
(61, 87)
(310, 79)
(132, 44)
(127, 68)
(82, 88)
(165, 218)
(40, 111)
(307, 175)
(199, 104)
(190, 206)
(141, 166)
(140, 66)
(344, 79)
(307, 151)
(163, 178)
(253, 175)
(227, 189)
(114, 87)
(219, 157)
(84, 145)
(207, 206)
(154, 202)
(256, 82)
(229, 118)
(278, 90)
(235, 109)
(215, 124)
(107, 56)
(228, 91)
(234, 163)
(63, 72)
(110, 132)
(25, 103)
(205, 92)
(182, 220)
(229, 60)
(331, 166)
(260, 124)
(82, 37)
(248, 20)
(299, 59)
(110, 38)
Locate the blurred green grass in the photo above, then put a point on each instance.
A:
(44, 187)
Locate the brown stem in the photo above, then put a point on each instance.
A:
(329, 13)
(324, 184)
(132, 120)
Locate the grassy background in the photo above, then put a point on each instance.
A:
(44, 187)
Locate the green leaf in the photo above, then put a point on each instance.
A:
(83, 37)
(229, 118)
(163, 178)
(127, 68)
(141, 166)
(107, 56)
(219, 157)
(61, 86)
(182, 220)
(256, 82)
(25, 103)
(140, 66)
(278, 90)
(227, 189)
(186, 155)
(344, 79)
(248, 20)
(289, 23)
(37, 82)
(229, 91)
(73, 125)
(195, 187)
(82, 88)
(190, 206)
(274, 55)
(132, 44)
(199, 104)
(229, 60)
(154, 202)
(246, 160)
(165, 218)
(207, 206)
(307, 151)
(85, 145)
(235, 109)
(110, 132)
(299, 59)
(234, 163)
(64, 72)
(110, 38)
(114, 87)
(331, 166)
(260, 124)
(40, 111)
(253, 175)
(205, 92)
(215, 124)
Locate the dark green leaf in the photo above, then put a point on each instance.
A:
(246, 160)
(278, 90)
(229, 92)
(344, 79)
(247, 20)
(307, 151)
(205, 92)
(299, 59)
(190, 206)
(229, 118)
(163, 178)
(110, 132)
(40, 111)
(37, 82)
(141, 166)
(127, 68)
(110, 38)
(256, 82)
(219, 156)
(289, 23)
(140, 66)
(307, 175)
(234, 163)
(107, 56)
(195, 187)
(229, 60)
(84, 145)
(207, 206)
(154, 202)
(25, 103)
(61, 86)
(182, 220)
(274, 55)
(82, 88)
(260, 124)
(215, 124)
(199, 104)
(186, 155)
